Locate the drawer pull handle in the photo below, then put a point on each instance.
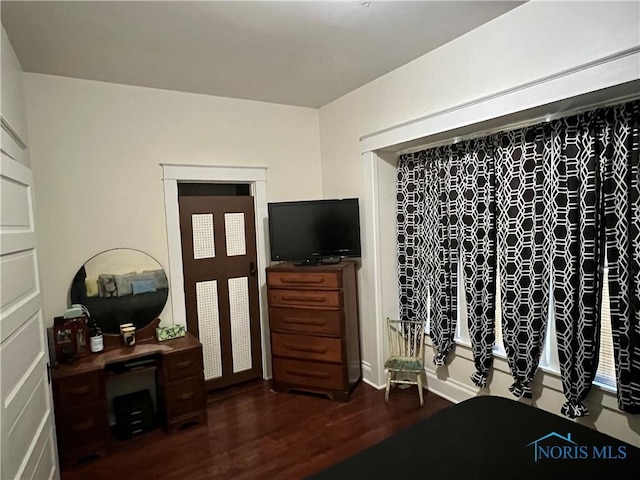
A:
(81, 390)
(298, 348)
(306, 373)
(185, 396)
(302, 280)
(83, 427)
(183, 365)
(304, 321)
(301, 298)
(140, 430)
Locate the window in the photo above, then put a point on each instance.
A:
(606, 374)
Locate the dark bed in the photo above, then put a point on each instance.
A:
(493, 438)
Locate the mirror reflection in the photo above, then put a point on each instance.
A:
(121, 286)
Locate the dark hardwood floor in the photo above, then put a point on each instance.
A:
(253, 432)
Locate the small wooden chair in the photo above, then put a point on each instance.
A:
(406, 354)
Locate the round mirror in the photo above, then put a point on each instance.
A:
(121, 286)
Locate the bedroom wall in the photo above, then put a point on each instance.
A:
(531, 42)
(96, 152)
(12, 100)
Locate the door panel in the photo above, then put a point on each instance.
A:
(221, 286)
(26, 425)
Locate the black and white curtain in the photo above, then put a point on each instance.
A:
(524, 250)
(619, 145)
(577, 259)
(456, 219)
(427, 245)
(478, 236)
(563, 193)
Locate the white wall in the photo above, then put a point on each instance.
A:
(96, 150)
(530, 43)
(12, 102)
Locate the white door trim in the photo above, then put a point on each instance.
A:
(256, 177)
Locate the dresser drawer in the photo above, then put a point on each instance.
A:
(184, 397)
(311, 374)
(181, 365)
(310, 321)
(305, 347)
(78, 390)
(79, 427)
(306, 280)
(305, 298)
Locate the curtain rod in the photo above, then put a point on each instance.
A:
(523, 124)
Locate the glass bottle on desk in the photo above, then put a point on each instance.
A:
(96, 340)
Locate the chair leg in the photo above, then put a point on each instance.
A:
(386, 393)
(419, 381)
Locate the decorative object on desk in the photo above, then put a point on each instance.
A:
(122, 329)
(121, 286)
(171, 332)
(96, 339)
(71, 338)
(129, 336)
(63, 340)
(77, 317)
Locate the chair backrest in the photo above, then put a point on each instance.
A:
(406, 338)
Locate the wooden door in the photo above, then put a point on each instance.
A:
(221, 285)
(26, 416)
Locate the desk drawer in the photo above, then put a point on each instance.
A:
(178, 366)
(79, 427)
(311, 374)
(305, 347)
(305, 298)
(184, 397)
(79, 390)
(306, 280)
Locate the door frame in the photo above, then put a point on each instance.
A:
(256, 177)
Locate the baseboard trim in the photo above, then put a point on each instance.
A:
(449, 389)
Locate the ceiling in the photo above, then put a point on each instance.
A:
(304, 53)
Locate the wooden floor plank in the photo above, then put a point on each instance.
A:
(253, 432)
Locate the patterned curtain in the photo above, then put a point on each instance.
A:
(413, 276)
(446, 194)
(428, 244)
(524, 250)
(562, 192)
(619, 152)
(477, 191)
(595, 161)
(577, 263)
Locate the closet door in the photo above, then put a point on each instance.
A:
(221, 285)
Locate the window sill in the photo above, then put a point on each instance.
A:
(547, 377)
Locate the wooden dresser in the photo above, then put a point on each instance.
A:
(79, 392)
(313, 318)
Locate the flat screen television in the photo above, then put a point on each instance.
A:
(314, 231)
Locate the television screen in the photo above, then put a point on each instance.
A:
(310, 231)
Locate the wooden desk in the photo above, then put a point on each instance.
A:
(79, 392)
